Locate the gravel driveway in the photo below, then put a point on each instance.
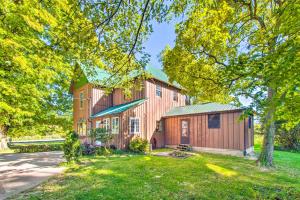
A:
(19, 172)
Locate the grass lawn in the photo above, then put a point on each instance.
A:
(203, 176)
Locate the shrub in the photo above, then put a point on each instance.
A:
(288, 140)
(87, 149)
(102, 151)
(138, 145)
(32, 148)
(71, 147)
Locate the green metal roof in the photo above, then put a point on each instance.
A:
(96, 75)
(201, 108)
(119, 108)
(160, 75)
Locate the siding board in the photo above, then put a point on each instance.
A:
(230, 135)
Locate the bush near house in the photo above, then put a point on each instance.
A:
(138, 145)
(71, 147)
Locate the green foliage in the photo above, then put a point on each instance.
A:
(101, 134)
(42, 42)
(103, 151)
(32, 148)
(241, 49)
(288, 139)
(138, 145)
(71, 147)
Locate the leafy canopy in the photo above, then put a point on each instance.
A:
(239, 48)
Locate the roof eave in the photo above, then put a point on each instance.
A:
(203, 113)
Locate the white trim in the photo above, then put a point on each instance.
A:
(135, 131)
(106, 124)
(117, 131)
(158, 88)
(98, 123)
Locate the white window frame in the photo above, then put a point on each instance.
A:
(158, 89)
(136, 129)
(81, 100)
(115, 127)
(98, 124)
(175, 96)
(106, 124)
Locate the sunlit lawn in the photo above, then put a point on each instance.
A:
(203, 176)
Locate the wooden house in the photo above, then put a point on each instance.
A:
(159, 113)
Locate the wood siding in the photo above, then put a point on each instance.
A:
(122, 139)
(157, 106)
(119, 96)
(230, 135)
(100, 100)
(82, 114)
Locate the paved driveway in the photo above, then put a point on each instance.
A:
(19, 172)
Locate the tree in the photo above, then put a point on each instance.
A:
(42, 41)
(240, 48)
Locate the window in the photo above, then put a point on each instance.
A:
(250, 122)
(184, 128)
(134, 125)
(214, 121)
(81, 96)
(115, 125)
(187, 100)
(98, 124)
(175, 96)
(158, 90)
(106, 124)
(81, 128)
(159, 126)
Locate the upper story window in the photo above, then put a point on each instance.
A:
(175, 96)
(115, 125)
(187, 100)
(134, 125)
(214, 120)
(250, 122)
(81, 128)
(81, 96)
(158, 90)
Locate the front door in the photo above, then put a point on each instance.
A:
(185, 131)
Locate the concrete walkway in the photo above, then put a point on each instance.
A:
(19, 172)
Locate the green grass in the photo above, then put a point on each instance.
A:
(203, 176)
(5, 151)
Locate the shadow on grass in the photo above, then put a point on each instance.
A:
(203, 176)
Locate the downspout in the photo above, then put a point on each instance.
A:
(245, 139)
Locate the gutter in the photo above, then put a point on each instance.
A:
(245, 139)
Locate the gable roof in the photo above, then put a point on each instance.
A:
(119, 108)
(161, 76)
(201, 108)
(97, 75)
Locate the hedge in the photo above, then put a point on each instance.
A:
(31, 148)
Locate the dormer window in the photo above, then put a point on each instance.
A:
(158, 90)
(175, 96)
(81, 96)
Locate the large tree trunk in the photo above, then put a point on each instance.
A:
(3, 137)
(266, 156)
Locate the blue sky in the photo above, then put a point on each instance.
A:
(163, 34)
